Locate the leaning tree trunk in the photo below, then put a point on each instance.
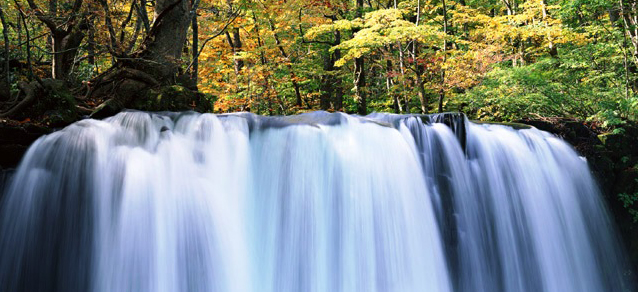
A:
(164, 42)
(155, 64)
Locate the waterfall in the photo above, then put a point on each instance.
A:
(318, 202)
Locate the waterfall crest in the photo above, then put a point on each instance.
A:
(315, 202)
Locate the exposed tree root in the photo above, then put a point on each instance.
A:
(30, 92)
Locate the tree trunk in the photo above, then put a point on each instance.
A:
(402, 69)
(90, 46)
(327, 82)
(157, 62)
(195, 68)
(143, 15)
(65, 48)
(359, 74)
(629, 16)
(4, 95)
(19, 32)
(266, 85)
(57, 72)
(389, 83)
(552, 48)
(331, 94)
(423, 97)
(66, 36)
(359, 85)
(293, 76)
(166, 38)
(445, 31)
(238, 47)
(337, 102)
(235, 44)
(408, 97)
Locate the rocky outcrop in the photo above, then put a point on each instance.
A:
(164, 98)
(15, 139)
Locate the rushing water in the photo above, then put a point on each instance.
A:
(312, 203)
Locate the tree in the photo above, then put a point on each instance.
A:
(285, 57)
(155, 63)
(67, 33)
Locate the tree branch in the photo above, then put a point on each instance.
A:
(77, 5)
(114, 47)
(220, 32)
(303, 39)
(138, 27)
(38, 13)
(26, 28)
(143, 15)
(126, 21)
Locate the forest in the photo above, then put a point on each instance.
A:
(495, 60)
(568, 67)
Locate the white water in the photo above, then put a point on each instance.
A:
(319, 202)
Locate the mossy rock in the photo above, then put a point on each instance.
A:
(607, 138)
(54, 105)
(172, 98)
(517, 126)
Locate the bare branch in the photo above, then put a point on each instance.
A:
(138, 28)
(220, 32)
(126, 21)
(77, 5)
(26, 28)
(114, 46)
(143, 15)
(38, 13)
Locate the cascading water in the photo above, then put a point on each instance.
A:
(317, 202)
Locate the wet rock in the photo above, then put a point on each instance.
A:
(15, 139)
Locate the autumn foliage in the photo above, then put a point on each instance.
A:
(272, 57)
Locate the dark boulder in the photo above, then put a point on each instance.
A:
(15, 139)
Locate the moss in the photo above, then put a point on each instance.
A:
(517, 126)
(54, 105)
(172, 98)
(603, 137)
